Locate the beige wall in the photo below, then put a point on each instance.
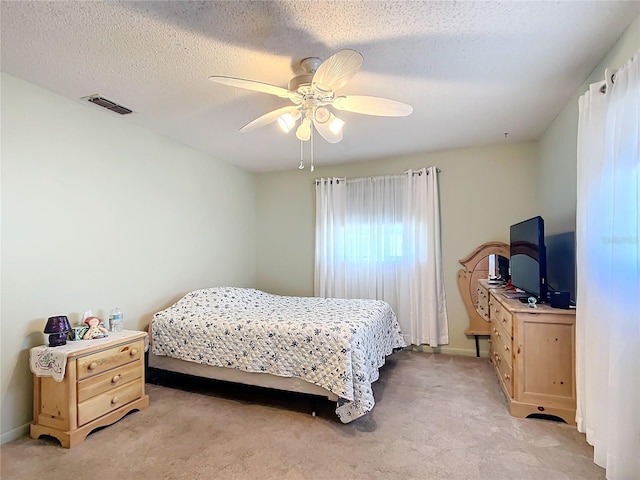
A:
(557, 172)
(98, 213)
(483, 190)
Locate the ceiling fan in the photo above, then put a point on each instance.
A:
(313, 94)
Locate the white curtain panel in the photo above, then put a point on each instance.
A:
(608, 267)
(329, 276)
(379, 238)
(427, 311)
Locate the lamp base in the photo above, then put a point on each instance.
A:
(57, 339)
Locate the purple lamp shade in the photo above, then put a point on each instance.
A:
(57, 328)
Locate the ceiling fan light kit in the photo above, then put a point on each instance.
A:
(313, 95)
(287, 121)
(304, 130)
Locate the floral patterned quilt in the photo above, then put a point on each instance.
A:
(338, 344)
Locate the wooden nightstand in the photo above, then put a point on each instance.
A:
(103, 381)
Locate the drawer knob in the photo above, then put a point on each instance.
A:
(116, 379)
(133, 352)
(506, 348)
(507, 376)
(92, 366)
(115, 400)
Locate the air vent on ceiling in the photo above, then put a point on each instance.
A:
(108, 104)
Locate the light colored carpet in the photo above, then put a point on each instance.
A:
(436, 417)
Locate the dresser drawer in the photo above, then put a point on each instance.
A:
(501, 315)
(501, 342)
(103, 382)
(108, 401)
(483, 302)
(100, 362)
(504, 371)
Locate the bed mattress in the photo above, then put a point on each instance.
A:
(337, 344)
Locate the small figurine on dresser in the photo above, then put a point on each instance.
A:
(96, 329)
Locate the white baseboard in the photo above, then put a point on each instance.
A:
(14, 434)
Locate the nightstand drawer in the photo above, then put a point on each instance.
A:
(108, 401)
(92, 386)
(107, 359)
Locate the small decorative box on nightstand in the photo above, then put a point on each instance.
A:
(87, 384)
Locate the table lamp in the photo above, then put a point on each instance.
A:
(57, 328)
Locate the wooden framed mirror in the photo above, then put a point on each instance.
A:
(475, 267)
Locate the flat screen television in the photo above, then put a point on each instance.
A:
(528, 262)
(561, 264)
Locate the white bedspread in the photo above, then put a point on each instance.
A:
(338, 344)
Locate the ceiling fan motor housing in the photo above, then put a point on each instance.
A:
(309, 66)
(299, 81)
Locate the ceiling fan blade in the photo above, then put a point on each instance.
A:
(252, 85)
(368, 105)
(325, 131)
(336, 70)
(269, 117)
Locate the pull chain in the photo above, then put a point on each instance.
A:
(301, 166)
(311, 135)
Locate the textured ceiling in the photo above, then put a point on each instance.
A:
(472, 70)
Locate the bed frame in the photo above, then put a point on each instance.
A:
(265, 380)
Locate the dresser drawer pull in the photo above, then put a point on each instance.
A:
(133, 352)
(506, 348)
(116, 379)
(115, 400)
(507, 376)
(92, 366)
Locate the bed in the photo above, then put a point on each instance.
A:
(321, 346)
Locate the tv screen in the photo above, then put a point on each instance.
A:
(528, 257)
(561, 263)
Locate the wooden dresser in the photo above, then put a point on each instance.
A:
(533, 352)
(103, 381)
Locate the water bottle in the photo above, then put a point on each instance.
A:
(115, 320)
